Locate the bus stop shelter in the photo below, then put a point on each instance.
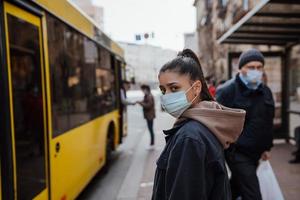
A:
(271, 22)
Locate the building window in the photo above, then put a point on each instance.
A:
(223, 3)
(203, 20)
(245, 5)
(208, 4)
(222, 8)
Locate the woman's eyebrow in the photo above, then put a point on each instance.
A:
(172, 83)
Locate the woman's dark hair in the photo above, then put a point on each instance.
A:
(187, 63)
(146, 87)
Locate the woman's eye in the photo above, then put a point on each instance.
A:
(163, 91)
(174, 89)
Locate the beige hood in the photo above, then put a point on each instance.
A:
(225, 123)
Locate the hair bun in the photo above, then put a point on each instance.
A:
(188, 53)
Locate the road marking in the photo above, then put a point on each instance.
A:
(147, 184)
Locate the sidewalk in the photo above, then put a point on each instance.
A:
(138, 182)
(288, 175)
(163, 122)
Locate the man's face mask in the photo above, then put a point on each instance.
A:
(253, 78)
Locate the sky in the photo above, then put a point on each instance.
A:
(168, 19)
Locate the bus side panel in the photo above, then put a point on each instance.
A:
(42, 195)
(66, 11)
(80, 156)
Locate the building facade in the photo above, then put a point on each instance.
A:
(191, 42)
(227, 28)
(214, 17)
(144, 62)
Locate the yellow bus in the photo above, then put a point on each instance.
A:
(60, 113)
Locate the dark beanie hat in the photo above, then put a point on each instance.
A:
(249, 56)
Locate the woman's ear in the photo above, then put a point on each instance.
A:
(198, 87)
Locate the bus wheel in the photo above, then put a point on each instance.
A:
(109, 147)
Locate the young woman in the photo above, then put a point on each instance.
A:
(192, 164)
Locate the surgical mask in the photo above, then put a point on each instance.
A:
(253, 79)
(176, 103)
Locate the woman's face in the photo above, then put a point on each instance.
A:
(171, 82)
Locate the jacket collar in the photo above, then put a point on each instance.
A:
(168, 133)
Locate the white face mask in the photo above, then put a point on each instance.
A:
(254, 76)
(176, 103)
(252, 79)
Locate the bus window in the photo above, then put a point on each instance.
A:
(105, 84)
(82, 78)
(58, 76)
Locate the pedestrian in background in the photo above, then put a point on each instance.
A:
(220, 84)
(148, 105)
(296, 153)
(211, 86)
(125, 87)
(247, 91)
(192, 164)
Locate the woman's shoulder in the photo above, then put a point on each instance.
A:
(192, 129)
(193, 134)
(197, 131)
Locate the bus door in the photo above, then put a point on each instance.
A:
(0, 183)
(27, 102)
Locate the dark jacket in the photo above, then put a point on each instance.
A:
(148, 105)
(257, 135)
(191, 166)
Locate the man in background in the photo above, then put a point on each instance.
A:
(148, 105)
(247, 91)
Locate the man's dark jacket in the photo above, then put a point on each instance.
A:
(191, 166)
(257, 135)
